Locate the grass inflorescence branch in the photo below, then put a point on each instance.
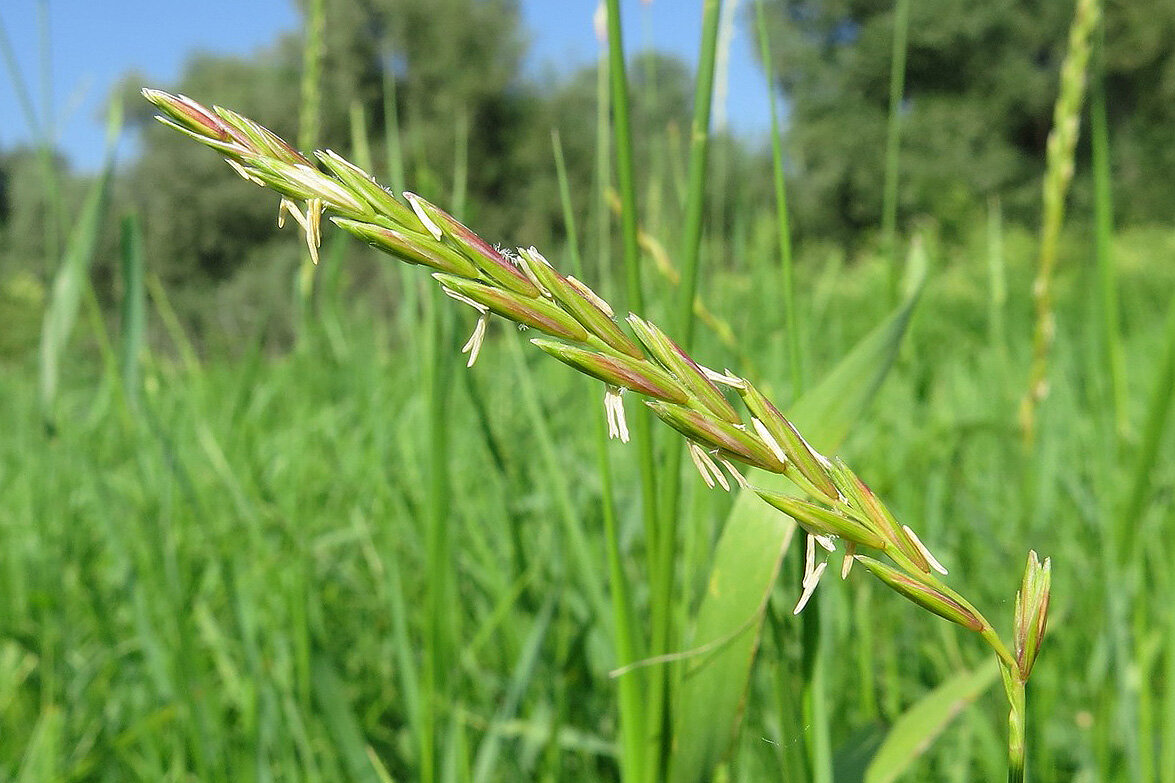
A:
(582, 331)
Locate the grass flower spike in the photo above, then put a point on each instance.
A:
(580, 330)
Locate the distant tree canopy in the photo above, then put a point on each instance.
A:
(980, 85)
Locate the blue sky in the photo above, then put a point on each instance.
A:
(91, 43)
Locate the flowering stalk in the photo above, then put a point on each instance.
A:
(524, 288)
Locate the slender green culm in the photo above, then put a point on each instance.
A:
(636, 762)
(309, 110)
(782, 221)
(662, 575)
(1058, 174)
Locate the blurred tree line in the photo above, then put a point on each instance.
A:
(981, 80)
(980, 85)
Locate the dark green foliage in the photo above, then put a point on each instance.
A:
(980, 86)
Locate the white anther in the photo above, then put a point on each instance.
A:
(473, 345)
(426, 221)
(736, 474)
(769, 439)
(614, 410)
(937, 566)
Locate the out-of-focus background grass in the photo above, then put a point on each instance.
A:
(213, 544)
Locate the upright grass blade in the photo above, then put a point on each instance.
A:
(624, 619)
(1103, 207)
(1153, 430)
(309, 121)
(996, 276)
(72, 280)
(662, 574)
(42, 758)
(133, 308)
(749, 552)
(524, 670)
(313, 49)
(331, 699)
(787, 289)
(893, 134)
(916, 730)
(635, 766)
(438, 541)
(690, 251)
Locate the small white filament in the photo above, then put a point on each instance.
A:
(937, 566)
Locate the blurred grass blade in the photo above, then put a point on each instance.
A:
(72, 277)
(752, 544)
(340, 720)
(490, 748)
(915, 731)
(1103, 208)
(133, 307)
(42, 757)
(1157, 415)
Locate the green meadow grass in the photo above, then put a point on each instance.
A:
(232, 584)
(360, 561)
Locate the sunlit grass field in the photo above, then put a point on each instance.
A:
(281, 532)
(228, 580)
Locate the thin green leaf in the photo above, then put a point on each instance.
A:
(749, 552)
(72, 276)
(133, 307)
(918, 727)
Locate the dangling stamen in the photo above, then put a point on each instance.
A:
(706, 465)
(313, 227)
(736, 474)
(810, 584)
(614, 410)
(937, 566)
(812, 570)
(289, 206)
(473, 345)
(699, 457)
(847, 564)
